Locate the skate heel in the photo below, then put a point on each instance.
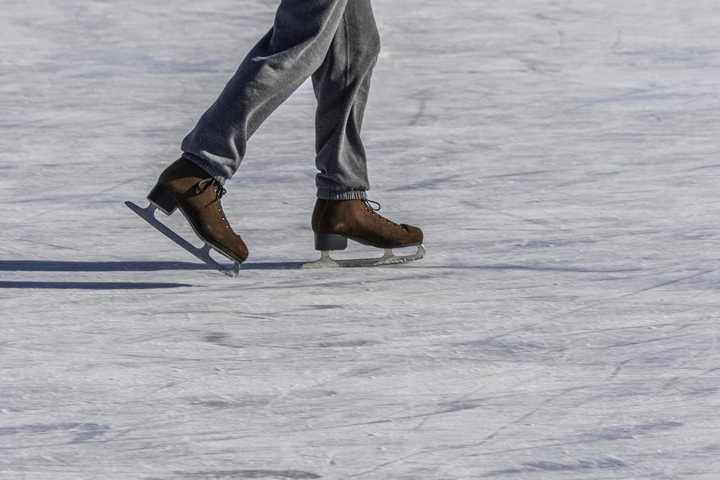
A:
(330, 241)
(163, 199)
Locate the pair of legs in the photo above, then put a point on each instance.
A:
(335, 42)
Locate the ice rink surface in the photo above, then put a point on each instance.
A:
(562, 157)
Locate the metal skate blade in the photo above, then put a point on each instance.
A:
(203, 254)
(389, 258)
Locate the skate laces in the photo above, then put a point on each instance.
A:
(219, 189)
(219, 193)
(374, 207)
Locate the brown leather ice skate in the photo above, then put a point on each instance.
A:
(336, 221)
(187, 187)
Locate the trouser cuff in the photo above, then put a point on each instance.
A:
(206, 165)
(329, 194)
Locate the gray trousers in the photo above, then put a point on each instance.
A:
(334, 41)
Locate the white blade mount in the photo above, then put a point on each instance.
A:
(203, 254)
(389, 258)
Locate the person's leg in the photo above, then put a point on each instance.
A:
(286, 56)
(342, 210)
(341, 85)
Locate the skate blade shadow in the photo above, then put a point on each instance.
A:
(89, 285)
(128, 266)
(76, 266)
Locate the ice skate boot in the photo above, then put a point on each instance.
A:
(186, 187)
(336, 221)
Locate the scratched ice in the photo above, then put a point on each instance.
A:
(562, 157)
